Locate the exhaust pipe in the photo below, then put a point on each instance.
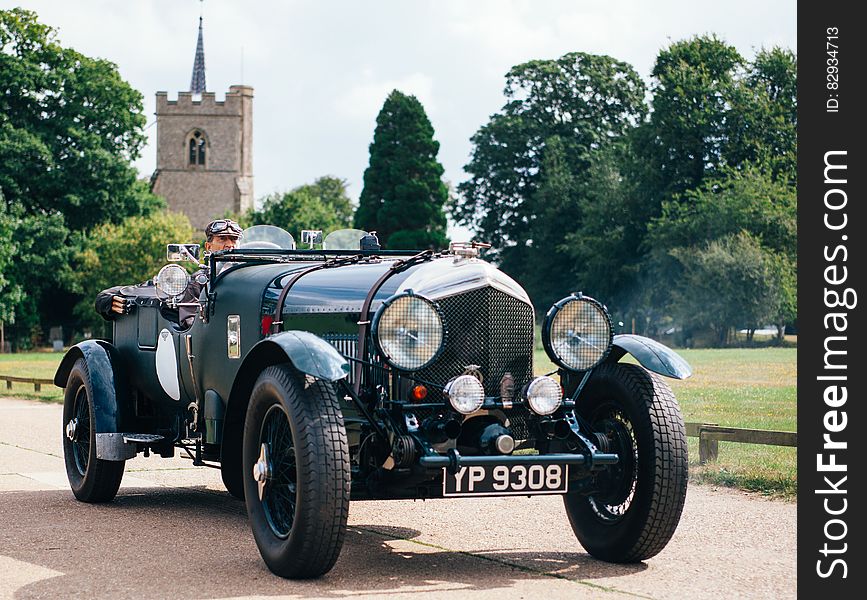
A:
(441, 430)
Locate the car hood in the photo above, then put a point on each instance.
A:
(344, 288)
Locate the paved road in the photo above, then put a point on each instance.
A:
(174, 532)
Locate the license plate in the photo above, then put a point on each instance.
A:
(506, 480)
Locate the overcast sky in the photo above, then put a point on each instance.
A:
(322, 68)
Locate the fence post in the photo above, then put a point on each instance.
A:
(708, 449)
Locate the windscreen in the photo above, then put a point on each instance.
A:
(266, 236)
(344, 239)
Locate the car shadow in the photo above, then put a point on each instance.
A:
(173, 542)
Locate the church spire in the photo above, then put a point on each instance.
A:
(197, 82)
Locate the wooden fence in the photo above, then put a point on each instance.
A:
(35, 381)
(709, 435)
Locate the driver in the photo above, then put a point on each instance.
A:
(221, 234)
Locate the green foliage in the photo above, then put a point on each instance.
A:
(69, 129)
(324, 205)
(694, 84)
(404, 194)
(747, 200)
(727, 283)
(715, 157)
(123, 254)
(531, 163)
(10, 290)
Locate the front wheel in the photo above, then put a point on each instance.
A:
(296, 472)
(91, 479)
(638, 501)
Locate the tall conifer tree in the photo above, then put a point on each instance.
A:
(404, 194)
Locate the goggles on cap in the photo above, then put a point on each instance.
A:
(223, 227)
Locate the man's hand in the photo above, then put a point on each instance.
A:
(121, 305)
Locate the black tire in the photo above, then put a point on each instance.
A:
(637, 508)
(91, 479)
(294, 430)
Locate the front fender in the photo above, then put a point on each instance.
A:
(652, 355)
(307, 352)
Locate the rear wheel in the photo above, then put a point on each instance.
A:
(296, 472)
(91, 479)
(638, 501)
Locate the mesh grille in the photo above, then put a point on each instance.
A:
(489, 329)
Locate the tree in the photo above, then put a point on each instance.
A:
(69, 128)
(332, 192)
(404, 195)
(123, 253)
(749, 202)
(715, 156)
(726, 283)
(742, 200)
(530, 163)
(684, 140)
(324, 205)
(10, 290)
(764, 117)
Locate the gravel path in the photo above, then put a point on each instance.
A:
(174, 532)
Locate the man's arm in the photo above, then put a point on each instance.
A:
(109, 303)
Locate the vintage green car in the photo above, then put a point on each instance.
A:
(344, 371)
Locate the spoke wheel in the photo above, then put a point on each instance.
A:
(277, 472)
(617, 484)
(636, 504)
(79, 431)
(91, 479)
(296, 472)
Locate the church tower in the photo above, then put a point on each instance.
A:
(205, 148)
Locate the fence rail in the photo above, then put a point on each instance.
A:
(709, 435)
(35, 381)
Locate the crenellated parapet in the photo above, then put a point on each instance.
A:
(206, 103)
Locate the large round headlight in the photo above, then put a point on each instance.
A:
(408, 331)
(172, 280)
(577, 333)
(465, 394)
(544, 395)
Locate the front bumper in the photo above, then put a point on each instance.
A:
(453, 460)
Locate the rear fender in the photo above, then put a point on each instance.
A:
(652, 355)
(108, 394)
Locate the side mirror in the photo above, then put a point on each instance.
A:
(179, 252)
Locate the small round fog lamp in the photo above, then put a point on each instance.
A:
(465, 394)
(544, 395)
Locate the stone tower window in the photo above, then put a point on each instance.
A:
(196, 145)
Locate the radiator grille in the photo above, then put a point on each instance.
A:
(488, 328)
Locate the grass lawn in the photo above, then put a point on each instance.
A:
(41, 365)
(752, 388)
